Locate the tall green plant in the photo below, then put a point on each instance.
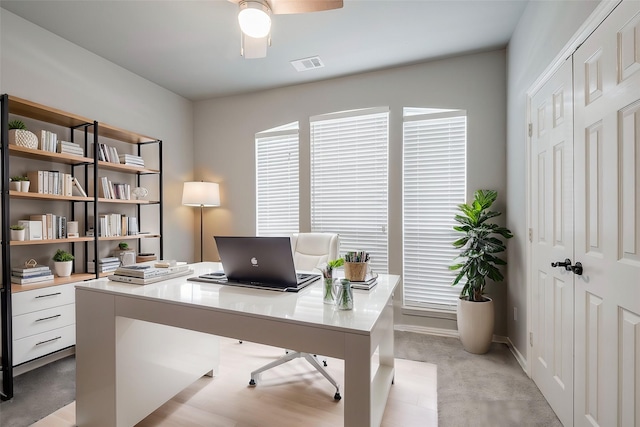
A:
(479, 245)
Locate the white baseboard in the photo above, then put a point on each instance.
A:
(441, 332)
(522, 361)
(45, 360)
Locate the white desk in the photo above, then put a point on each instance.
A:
(137, 346)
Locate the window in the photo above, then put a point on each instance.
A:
(434, 165)
(349, 163)
(277, 185)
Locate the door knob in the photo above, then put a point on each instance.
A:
(577, 268)
(566, 264)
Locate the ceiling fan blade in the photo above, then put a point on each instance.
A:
(254, 48)
(302, 6)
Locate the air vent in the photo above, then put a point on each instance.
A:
(307, 63)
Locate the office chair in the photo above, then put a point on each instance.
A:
(310, 250)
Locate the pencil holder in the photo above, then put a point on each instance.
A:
(355, 271)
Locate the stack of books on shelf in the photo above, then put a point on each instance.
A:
(131, 160)
(110, 190)
(48, 141)
(105, 265)
(31, 275)
(107, 153)
(115, 224)
(65, 147)
(143, 274)
(47, 226)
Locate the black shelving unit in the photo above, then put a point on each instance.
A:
(91, 132)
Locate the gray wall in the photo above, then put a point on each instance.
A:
(225, 129)
(543, 30)
(42, 67)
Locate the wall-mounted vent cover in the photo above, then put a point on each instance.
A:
(307, 63)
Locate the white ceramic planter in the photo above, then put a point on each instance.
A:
(15, 186)
(475, 325)
(18, 234)
(24, 186)
(63, 268)
(23, 138)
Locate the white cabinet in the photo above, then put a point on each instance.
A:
(43, 321)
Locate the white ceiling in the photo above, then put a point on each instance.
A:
(193, 47)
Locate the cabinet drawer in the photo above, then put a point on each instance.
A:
(37, 322)
(42, 344)
(41, 299)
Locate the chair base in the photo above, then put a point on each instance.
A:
(255, 375)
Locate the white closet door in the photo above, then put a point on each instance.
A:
(552, 241)
(607, 234)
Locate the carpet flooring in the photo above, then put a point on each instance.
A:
(478, 390)
(473, 390)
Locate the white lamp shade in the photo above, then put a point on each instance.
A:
(200, 193)
(254, 19)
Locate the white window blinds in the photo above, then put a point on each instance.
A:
(434, 184)
(349, 163)
(277, 184)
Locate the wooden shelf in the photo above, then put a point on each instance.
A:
(79, 277)
(50, 241)
(39, 196)
(132, 237)
(126, 168)
(35, 154)
(33, 110)
(130, 202)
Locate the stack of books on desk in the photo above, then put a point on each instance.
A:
(30, 275)
(369, 282)
(143, 274)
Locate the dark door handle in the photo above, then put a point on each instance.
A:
(566, 264)
(577, 269)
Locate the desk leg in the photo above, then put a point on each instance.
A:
(95, 359)
(357, 382)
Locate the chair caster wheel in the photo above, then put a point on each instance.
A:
(337, 396)
(325, 363)
(252, 382)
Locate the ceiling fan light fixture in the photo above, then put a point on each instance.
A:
(254, 18)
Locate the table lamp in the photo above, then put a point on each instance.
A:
(203, 194)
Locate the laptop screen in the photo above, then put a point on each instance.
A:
(257, 259)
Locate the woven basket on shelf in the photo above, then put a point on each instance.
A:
(23, 138)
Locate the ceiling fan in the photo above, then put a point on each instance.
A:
(255, 20)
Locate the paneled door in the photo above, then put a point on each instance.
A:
(607, 221)
(552, 241)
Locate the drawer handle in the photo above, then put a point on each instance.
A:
(49, 295)
(44, 342)
(48, 318)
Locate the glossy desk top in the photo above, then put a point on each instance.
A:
(305, 306)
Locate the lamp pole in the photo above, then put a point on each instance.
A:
(201, 234)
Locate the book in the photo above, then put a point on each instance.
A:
(15, 270)
(28, 280)
(146, 271)
(142, 281)
(29, 274)
(43, 220)
(77, 186)
(364, 285)
(37, 183)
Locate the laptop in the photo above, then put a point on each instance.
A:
(258, 262)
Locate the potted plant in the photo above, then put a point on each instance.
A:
(123, 246)
(63, 263)
(478, 262)
(20, 136)
(19, 183)
(17, 232)
(327, 275)
(127, 256)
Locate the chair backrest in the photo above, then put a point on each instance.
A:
(311, 250)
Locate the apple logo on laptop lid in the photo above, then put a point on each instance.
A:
(254, 262)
